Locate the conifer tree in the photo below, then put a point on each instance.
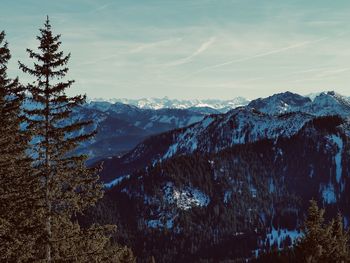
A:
(322, 242)
(68, 185)
(339, 249)
(19, 189)
(312, 245)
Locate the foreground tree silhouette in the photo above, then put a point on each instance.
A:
(69, 187)
(322, 242)
(19, 189)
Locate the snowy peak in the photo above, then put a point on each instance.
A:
(239, 126)
(331, 98)
(328, 103)
(166, 103)
(322, 104)
(279, 103)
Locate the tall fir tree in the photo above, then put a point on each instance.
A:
(312, 245)
(322, 242)
(339, 249)
(19, 189)
(68, 185)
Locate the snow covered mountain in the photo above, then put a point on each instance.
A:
(328, 103)
(322, 104)
(239, 126)
(279, 103)
(166, 103)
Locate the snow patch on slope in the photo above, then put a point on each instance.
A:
(167, 222)
(338, 157)
(116, 181)
(189, 141)
(236, 127)
(328, 193)
(277, 236)
(185, 198)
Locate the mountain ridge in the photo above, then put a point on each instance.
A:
(166, 103)
(241, 125)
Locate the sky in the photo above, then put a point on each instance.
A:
(190, 49)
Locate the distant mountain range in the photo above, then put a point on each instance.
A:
(166, 103)
(122, 123)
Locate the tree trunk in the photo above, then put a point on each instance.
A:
(48, 174)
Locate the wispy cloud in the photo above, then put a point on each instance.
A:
(260, 55)
(203, 47)
(100, 8)
(333, 72)
(145, 46)
(323, 75)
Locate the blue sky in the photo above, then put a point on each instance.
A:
(193, 48)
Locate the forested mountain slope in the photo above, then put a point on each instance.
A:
(234, 202)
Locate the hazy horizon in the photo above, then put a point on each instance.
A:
(89, 98)
(195, 49)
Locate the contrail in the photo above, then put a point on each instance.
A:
(324, 75)
(276, 51)
(154, 44)
(203, 47)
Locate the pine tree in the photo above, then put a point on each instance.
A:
(322, 242)
(68, 185)
(339, 249)
(19, 189)
(311, 246)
